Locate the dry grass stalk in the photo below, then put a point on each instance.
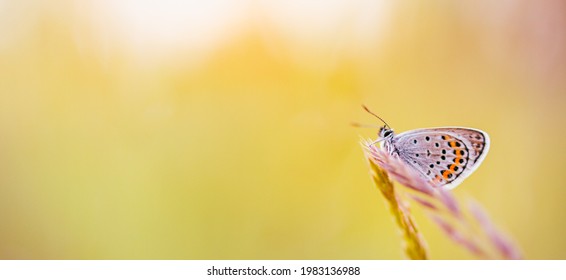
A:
(414, 244)
(470, 227)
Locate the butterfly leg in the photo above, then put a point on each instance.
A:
(376, 141)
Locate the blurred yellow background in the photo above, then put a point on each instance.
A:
(220, 129)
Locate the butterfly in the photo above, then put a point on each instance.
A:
(444, 156)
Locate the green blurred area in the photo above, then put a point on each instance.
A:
(244, 150)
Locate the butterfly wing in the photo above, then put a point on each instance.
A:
(444, 155)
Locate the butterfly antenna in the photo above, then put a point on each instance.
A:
(375, 115)
(355, 124)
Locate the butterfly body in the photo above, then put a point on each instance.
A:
(444, 156)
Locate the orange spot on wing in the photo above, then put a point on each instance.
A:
(436, 179)
(457, 159)
(452, 167)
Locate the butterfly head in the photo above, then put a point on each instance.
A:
(385, 132)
